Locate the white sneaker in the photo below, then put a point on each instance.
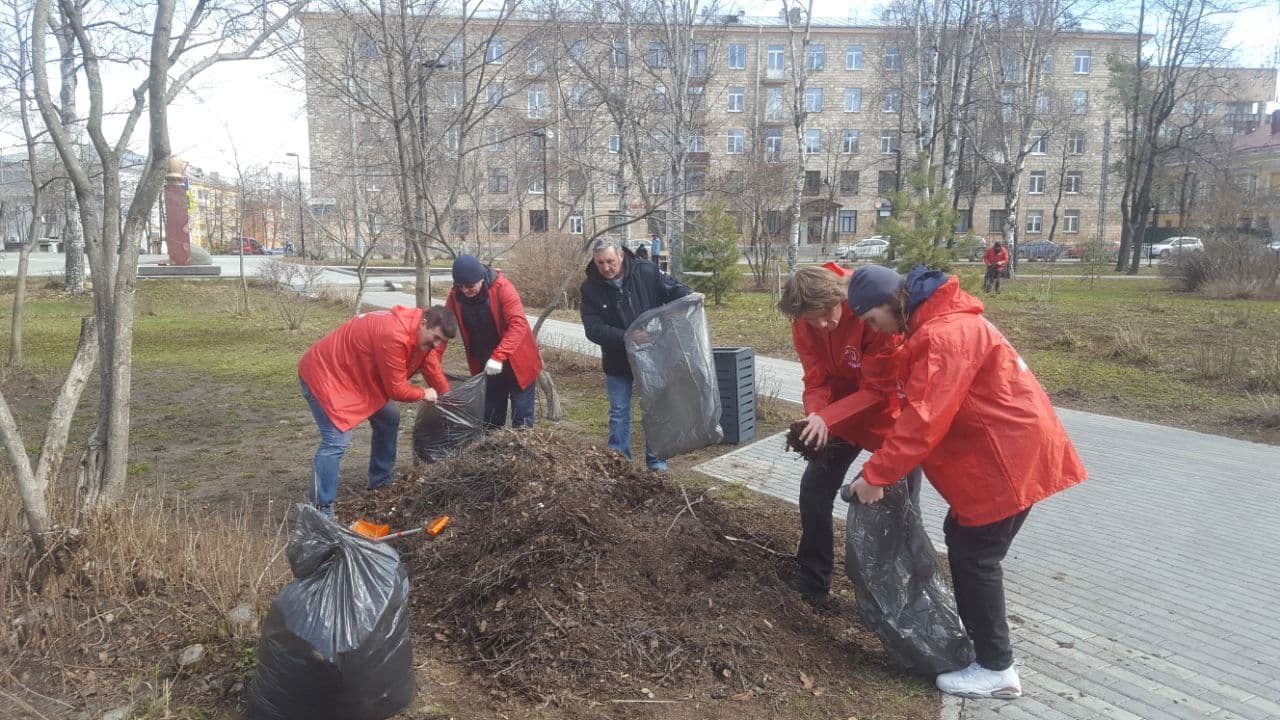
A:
(976, 681)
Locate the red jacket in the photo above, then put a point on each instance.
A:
(975, 417)
(999, 257)
(517, 345)
(850, 375)
(356, 369)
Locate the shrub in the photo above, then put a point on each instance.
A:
(537, 266)
(1129, 343)
(1266, 373)
(918, 223)
(1232, 266)
(713, 247)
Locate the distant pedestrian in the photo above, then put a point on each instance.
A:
(497, 339)
(642, 252)
(617, 290)
(996, 258)
(980, 424)
(359, 372)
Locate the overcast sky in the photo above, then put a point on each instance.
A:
(257, 109)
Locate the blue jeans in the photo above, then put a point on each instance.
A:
(334, 443)
(618, 388)
(500, 388)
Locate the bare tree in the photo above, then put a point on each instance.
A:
(173, 55)
(799, 19)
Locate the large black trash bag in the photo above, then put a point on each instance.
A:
(444, 426)
(675, 375)
(335, 645)
(900, 594)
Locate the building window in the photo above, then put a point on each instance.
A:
(1006, 105)
(1037, 180)
(892, 58)
(853, 100)
(1010, 66)
(499, 222)
(853, 57)
(460, 223)
(773, 106)
(1082, 62)
(538, 220)
(1042, 102)
(698, 60)
(494, 140)
(535, 64)
(1080, 102)
(697, 142)
(537, 101)
(737, 142)
(615, 143)
(737, 99)
(812, 182)
(613, 186)
(777, 61)
(578, 50)
(1046, 64)
(887, 182)
(577, 99)
(1073, 182)
(1071, 222)
(494, 52)
(695, 182)
(812, 142)
(535, 186)
(1040, 146)
(773, 222)
(737, 57)
(453, 138)
(847, 223)
(658, 184)
(498, 180)
(849, 142)
(618, 54)
(1035, 221)
(995, 222)
(816, 58)
(813, 99)
(657, 55)
(575, 224)
(888, 142)
(773, 145)
(849, 182)
(452, 94)
(496, 94)
(578, 139)
(892, 100)
(367, 48)
(1075, 143)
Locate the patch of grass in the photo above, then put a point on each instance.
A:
(1265, 377)
(1129, 344)
(139, 468)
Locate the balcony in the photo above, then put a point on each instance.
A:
(697, 158)
(775, 75)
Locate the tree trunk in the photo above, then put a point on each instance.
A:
(20, 289)
(555, 412)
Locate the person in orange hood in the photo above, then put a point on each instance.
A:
(978, 421)
(996, 258)
(850, 396)
(358, 372)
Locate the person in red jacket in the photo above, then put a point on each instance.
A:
(358, 372)
(850, 396)
(498, 340)
(978, 421)
(996, 258)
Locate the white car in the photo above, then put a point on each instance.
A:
(843, 251)
(872, 248)
(1174, 246)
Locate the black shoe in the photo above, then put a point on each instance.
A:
(807, 590)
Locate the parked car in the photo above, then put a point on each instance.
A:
(1040, 250)
(1174, 246)
(973, 246)
(843, 251)
(249, 245)
(1094, 251)
(873, 247)
(1274, 246)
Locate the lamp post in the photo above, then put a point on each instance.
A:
(546, 215)
(302, 238)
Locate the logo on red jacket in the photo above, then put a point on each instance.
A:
(851, 357)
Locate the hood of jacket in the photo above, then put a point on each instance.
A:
(408, 318)
(931, 294)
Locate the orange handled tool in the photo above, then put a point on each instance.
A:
(432, 529)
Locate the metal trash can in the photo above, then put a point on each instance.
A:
(736, 377)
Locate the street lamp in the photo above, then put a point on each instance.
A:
(546, 215)
(302, 238)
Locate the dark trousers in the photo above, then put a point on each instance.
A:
(818, 489)
(975, 554)
(503, 388)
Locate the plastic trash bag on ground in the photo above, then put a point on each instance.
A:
(457, 418)
(901, 596)
(335, 645)
(675, 373)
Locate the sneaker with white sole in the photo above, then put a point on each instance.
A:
(976, 681)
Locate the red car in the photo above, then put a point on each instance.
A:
(249, 245)
(1106, 250)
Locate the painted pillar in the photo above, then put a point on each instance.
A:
(177, 226)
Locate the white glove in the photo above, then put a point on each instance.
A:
(492, 367)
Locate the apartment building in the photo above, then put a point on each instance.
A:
(524, 124)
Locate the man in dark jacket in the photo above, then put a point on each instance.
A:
(617, 290)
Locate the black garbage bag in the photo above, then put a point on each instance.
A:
(335, 645)
(457, 418)
(901, 596)
(675, 375)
